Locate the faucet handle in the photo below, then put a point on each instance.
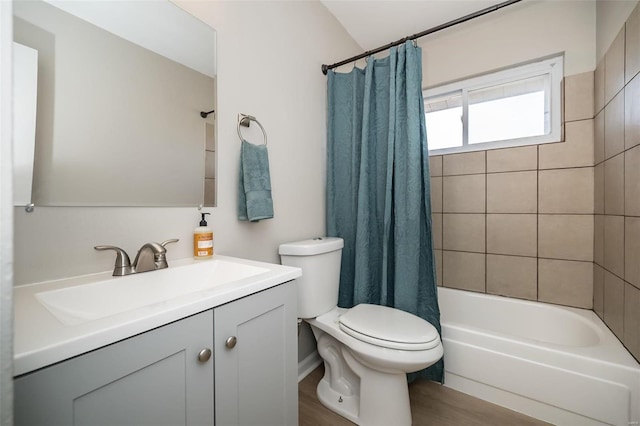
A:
(123, 263)
(161, 258)
(122, 258)
(173, 240)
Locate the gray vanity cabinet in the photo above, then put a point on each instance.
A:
(256, 359)
(164, 376)
(155, 378)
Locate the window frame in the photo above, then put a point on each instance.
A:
(551, 65)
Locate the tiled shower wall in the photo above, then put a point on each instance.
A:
(617, 186)
(519, 221)
(560, 222)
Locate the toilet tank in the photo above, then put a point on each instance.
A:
(319, 259)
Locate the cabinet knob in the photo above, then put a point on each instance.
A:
(204, 355)
(231, 342)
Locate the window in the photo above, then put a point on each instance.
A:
(516, 106)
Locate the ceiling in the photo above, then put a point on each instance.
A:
(376, 23)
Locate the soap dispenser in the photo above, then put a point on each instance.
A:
(203, 240)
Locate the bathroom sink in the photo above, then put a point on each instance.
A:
(100, 299)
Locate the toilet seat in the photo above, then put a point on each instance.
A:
(389, 328)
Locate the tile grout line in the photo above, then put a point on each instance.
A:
(442, 221)
(624, 198)
(486, 234)
(559, 259)
(604, 189)
(538, 223)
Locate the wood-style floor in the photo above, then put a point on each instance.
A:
(431, 404)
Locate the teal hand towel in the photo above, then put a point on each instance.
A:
(254, 192)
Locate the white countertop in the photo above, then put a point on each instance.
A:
(41, 339)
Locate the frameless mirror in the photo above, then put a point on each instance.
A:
(109, 98)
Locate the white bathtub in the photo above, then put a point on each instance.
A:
(557, 364)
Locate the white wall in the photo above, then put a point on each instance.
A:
(611, 16)
(514, 34)
(269, 58)
(6, 219)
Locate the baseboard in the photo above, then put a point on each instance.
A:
(307, 365)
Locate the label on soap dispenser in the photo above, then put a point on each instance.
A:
(203, 245)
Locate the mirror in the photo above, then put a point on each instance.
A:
(119, 89)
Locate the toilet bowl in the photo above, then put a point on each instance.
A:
(368, 349)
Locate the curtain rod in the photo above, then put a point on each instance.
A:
(465, 18)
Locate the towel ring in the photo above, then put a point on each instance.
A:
(245, 120)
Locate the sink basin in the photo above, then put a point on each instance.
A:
(82, 303)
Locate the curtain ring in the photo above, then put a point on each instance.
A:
(415, 42)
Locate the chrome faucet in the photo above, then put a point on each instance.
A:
(150, 257)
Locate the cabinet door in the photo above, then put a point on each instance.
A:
(256, 380)
(154, 378)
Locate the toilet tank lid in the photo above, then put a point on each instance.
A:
(310, 247)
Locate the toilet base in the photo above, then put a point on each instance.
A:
(359, 393)
(385, 401)
(346, 406)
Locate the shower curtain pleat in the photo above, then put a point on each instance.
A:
(378, 187)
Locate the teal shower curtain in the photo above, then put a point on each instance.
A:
(378, 192)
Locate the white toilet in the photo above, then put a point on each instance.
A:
(368, 349)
